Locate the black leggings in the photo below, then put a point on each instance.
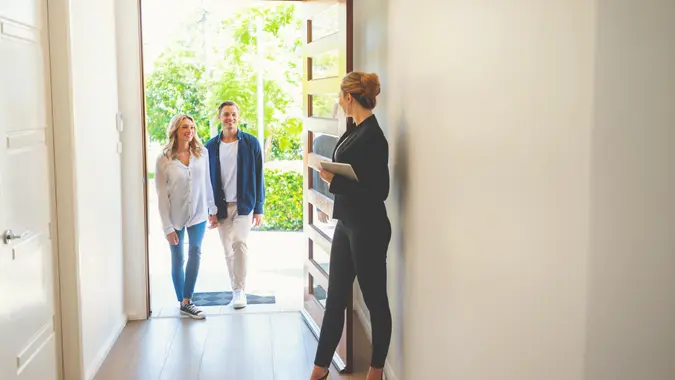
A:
(361, 251)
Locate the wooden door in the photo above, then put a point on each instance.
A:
(27, 270)
(327, 59)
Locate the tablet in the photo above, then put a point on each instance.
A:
(338, 168)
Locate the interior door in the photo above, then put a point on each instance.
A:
(29, 343)
(327, 58)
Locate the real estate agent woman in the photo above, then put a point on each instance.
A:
(363, 230)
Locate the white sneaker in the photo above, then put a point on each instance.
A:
(239, 300)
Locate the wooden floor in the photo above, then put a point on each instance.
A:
(263, 346)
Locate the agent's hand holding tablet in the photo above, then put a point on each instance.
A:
(339, 168)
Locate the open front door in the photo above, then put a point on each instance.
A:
(327, 58)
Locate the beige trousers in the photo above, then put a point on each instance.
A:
(233, 232)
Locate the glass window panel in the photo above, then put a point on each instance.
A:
(321, 257)
(324, 144)
(319, 293)
(323, 222)
(326, 65)
(325, 23)
(324, 105)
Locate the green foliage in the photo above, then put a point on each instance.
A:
(174, 87)
(181, 83)
(280, 67)
(286, 145)
(283, 201)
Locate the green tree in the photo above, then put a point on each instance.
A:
(236, 76)
(176, 86)
(180, 82)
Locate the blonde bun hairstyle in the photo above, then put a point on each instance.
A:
(364, 87)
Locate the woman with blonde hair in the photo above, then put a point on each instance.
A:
(363, 231)
(185, 199)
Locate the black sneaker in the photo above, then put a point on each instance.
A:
(191, 311)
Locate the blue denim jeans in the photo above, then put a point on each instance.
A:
(184, 280)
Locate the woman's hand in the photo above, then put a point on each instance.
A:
(323, 217)
(172, 238)
(213, 221)
(326, 176)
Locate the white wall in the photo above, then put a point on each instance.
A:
(538, 138)
(492, 105)
(88, 76)
(133, 158)
(371, 53)
(631, 330)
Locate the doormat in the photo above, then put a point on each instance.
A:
(224, 298)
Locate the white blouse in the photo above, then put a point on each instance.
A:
(185, 195)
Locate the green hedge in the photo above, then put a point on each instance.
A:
(283, 201)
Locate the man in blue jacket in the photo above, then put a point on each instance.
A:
(235, 160)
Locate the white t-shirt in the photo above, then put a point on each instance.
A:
(228, 169)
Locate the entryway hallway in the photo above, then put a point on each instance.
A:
(247, 346)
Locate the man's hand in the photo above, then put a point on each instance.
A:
(213, 221)
(257, 220)
(326, 176)
(172, 238)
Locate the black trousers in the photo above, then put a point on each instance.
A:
(358, 250)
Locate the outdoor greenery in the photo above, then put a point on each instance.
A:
(177, 85)
(182, 83)
(194, 76)
(283, 203)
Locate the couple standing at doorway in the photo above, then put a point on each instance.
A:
(219, 183)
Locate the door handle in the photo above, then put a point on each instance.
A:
(8, 236)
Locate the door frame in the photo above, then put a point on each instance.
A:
(144, 152)
(143, 133)
(144, 137)
(64, 207)
(342, 366)
(314, 273)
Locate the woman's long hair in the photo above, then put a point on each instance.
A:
(169, 149)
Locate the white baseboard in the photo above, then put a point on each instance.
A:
(96, 364)
(136, 317)
(359, 307)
